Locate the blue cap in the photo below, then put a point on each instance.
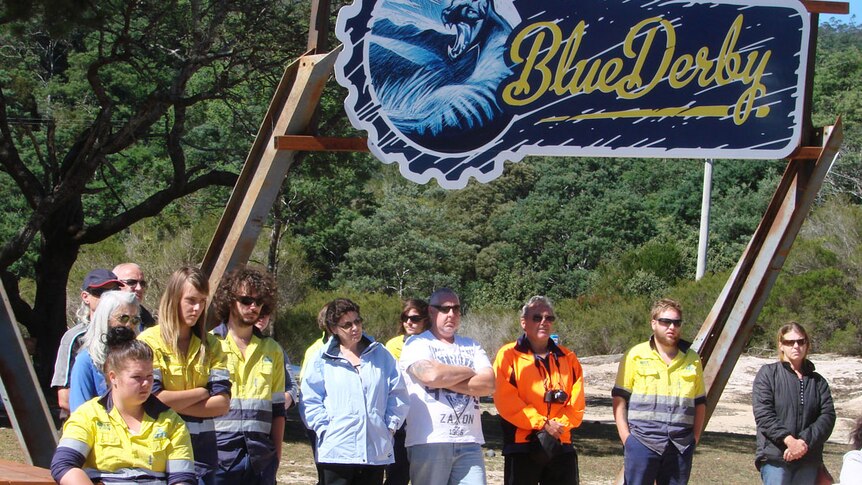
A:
(99, 278)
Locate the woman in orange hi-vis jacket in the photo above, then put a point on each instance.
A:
(540, 399)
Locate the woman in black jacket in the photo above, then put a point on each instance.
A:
(793, 411)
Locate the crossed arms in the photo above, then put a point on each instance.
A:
(456, 378)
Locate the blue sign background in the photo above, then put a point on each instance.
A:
(445, 88)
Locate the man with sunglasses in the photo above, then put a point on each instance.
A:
(540, 399)
(132, 277)
(446, 374)
(95, 283)
(249, 436)
(659, 402)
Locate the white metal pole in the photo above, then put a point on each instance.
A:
(703, 243)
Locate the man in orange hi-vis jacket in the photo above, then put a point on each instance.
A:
(540, 399)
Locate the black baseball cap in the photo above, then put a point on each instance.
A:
(99, 278)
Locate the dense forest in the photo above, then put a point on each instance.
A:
(123, 129)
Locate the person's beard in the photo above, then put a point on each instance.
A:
(243, 321)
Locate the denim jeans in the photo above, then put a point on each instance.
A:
(446, 464)
(644, 466)
(788, 474)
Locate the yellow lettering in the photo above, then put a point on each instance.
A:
(513, 91)
(547, 64)
(678, 70)
(569, 54)
(634, 86)
(609, 71)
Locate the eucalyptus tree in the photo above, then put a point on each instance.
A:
(110, 117)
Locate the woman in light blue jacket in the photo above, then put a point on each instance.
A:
(354, 399)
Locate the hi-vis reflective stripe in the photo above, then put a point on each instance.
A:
(654, 416)
(653, 400)
(243, 426)
(237, 404)
(180, 466)
(80, 447)
(278, 398)
(127, 475)
(219, 375)
(200, 427)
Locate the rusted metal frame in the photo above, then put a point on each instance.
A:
(725, 327)
(307, 143)
(290, 112)
(26, 405)
(729, 324)
(817, 6)
(805, 153)
(318, 26)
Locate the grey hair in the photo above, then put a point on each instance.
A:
(82, 314)
(94, 338)
(536, 300)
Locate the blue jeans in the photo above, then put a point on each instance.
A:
(644, 466)
(446, 464)
(788, 474)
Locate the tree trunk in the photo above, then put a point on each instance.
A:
(57, 253)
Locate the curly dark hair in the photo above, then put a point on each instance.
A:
(338, 308)
(239, 281)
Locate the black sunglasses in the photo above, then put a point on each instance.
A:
(349, 325)
(131, 283)
(549, 318)
(790, 343)
(125, 319)
(413, 318)
(447, 308)
(676, 322)
(248, 300)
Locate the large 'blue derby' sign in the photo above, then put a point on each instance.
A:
(453, 88)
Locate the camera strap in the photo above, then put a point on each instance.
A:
(544, 366)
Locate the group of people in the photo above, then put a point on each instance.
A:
(173, 403)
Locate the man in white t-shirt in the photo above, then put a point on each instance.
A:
(445, 373)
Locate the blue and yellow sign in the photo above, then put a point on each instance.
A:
(451, 89)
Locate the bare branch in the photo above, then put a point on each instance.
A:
(153, 205)
(12, 163)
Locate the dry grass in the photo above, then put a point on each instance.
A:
(721, 457)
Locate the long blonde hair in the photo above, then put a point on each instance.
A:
(170, 316)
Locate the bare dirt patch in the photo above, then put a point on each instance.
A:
(726, 453)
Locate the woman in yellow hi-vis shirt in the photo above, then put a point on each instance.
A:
(127, 435)
(190, 369)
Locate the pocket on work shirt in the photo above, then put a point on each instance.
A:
(159, 454)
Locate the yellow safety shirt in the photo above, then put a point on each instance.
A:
(257, 398)
(97, 440)
(173, 373)
(661, 397)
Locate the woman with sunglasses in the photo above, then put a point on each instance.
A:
(190, 368)
(794, 413)
(414, 320)
(354, 399)
(116, 309)
(127, 436)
